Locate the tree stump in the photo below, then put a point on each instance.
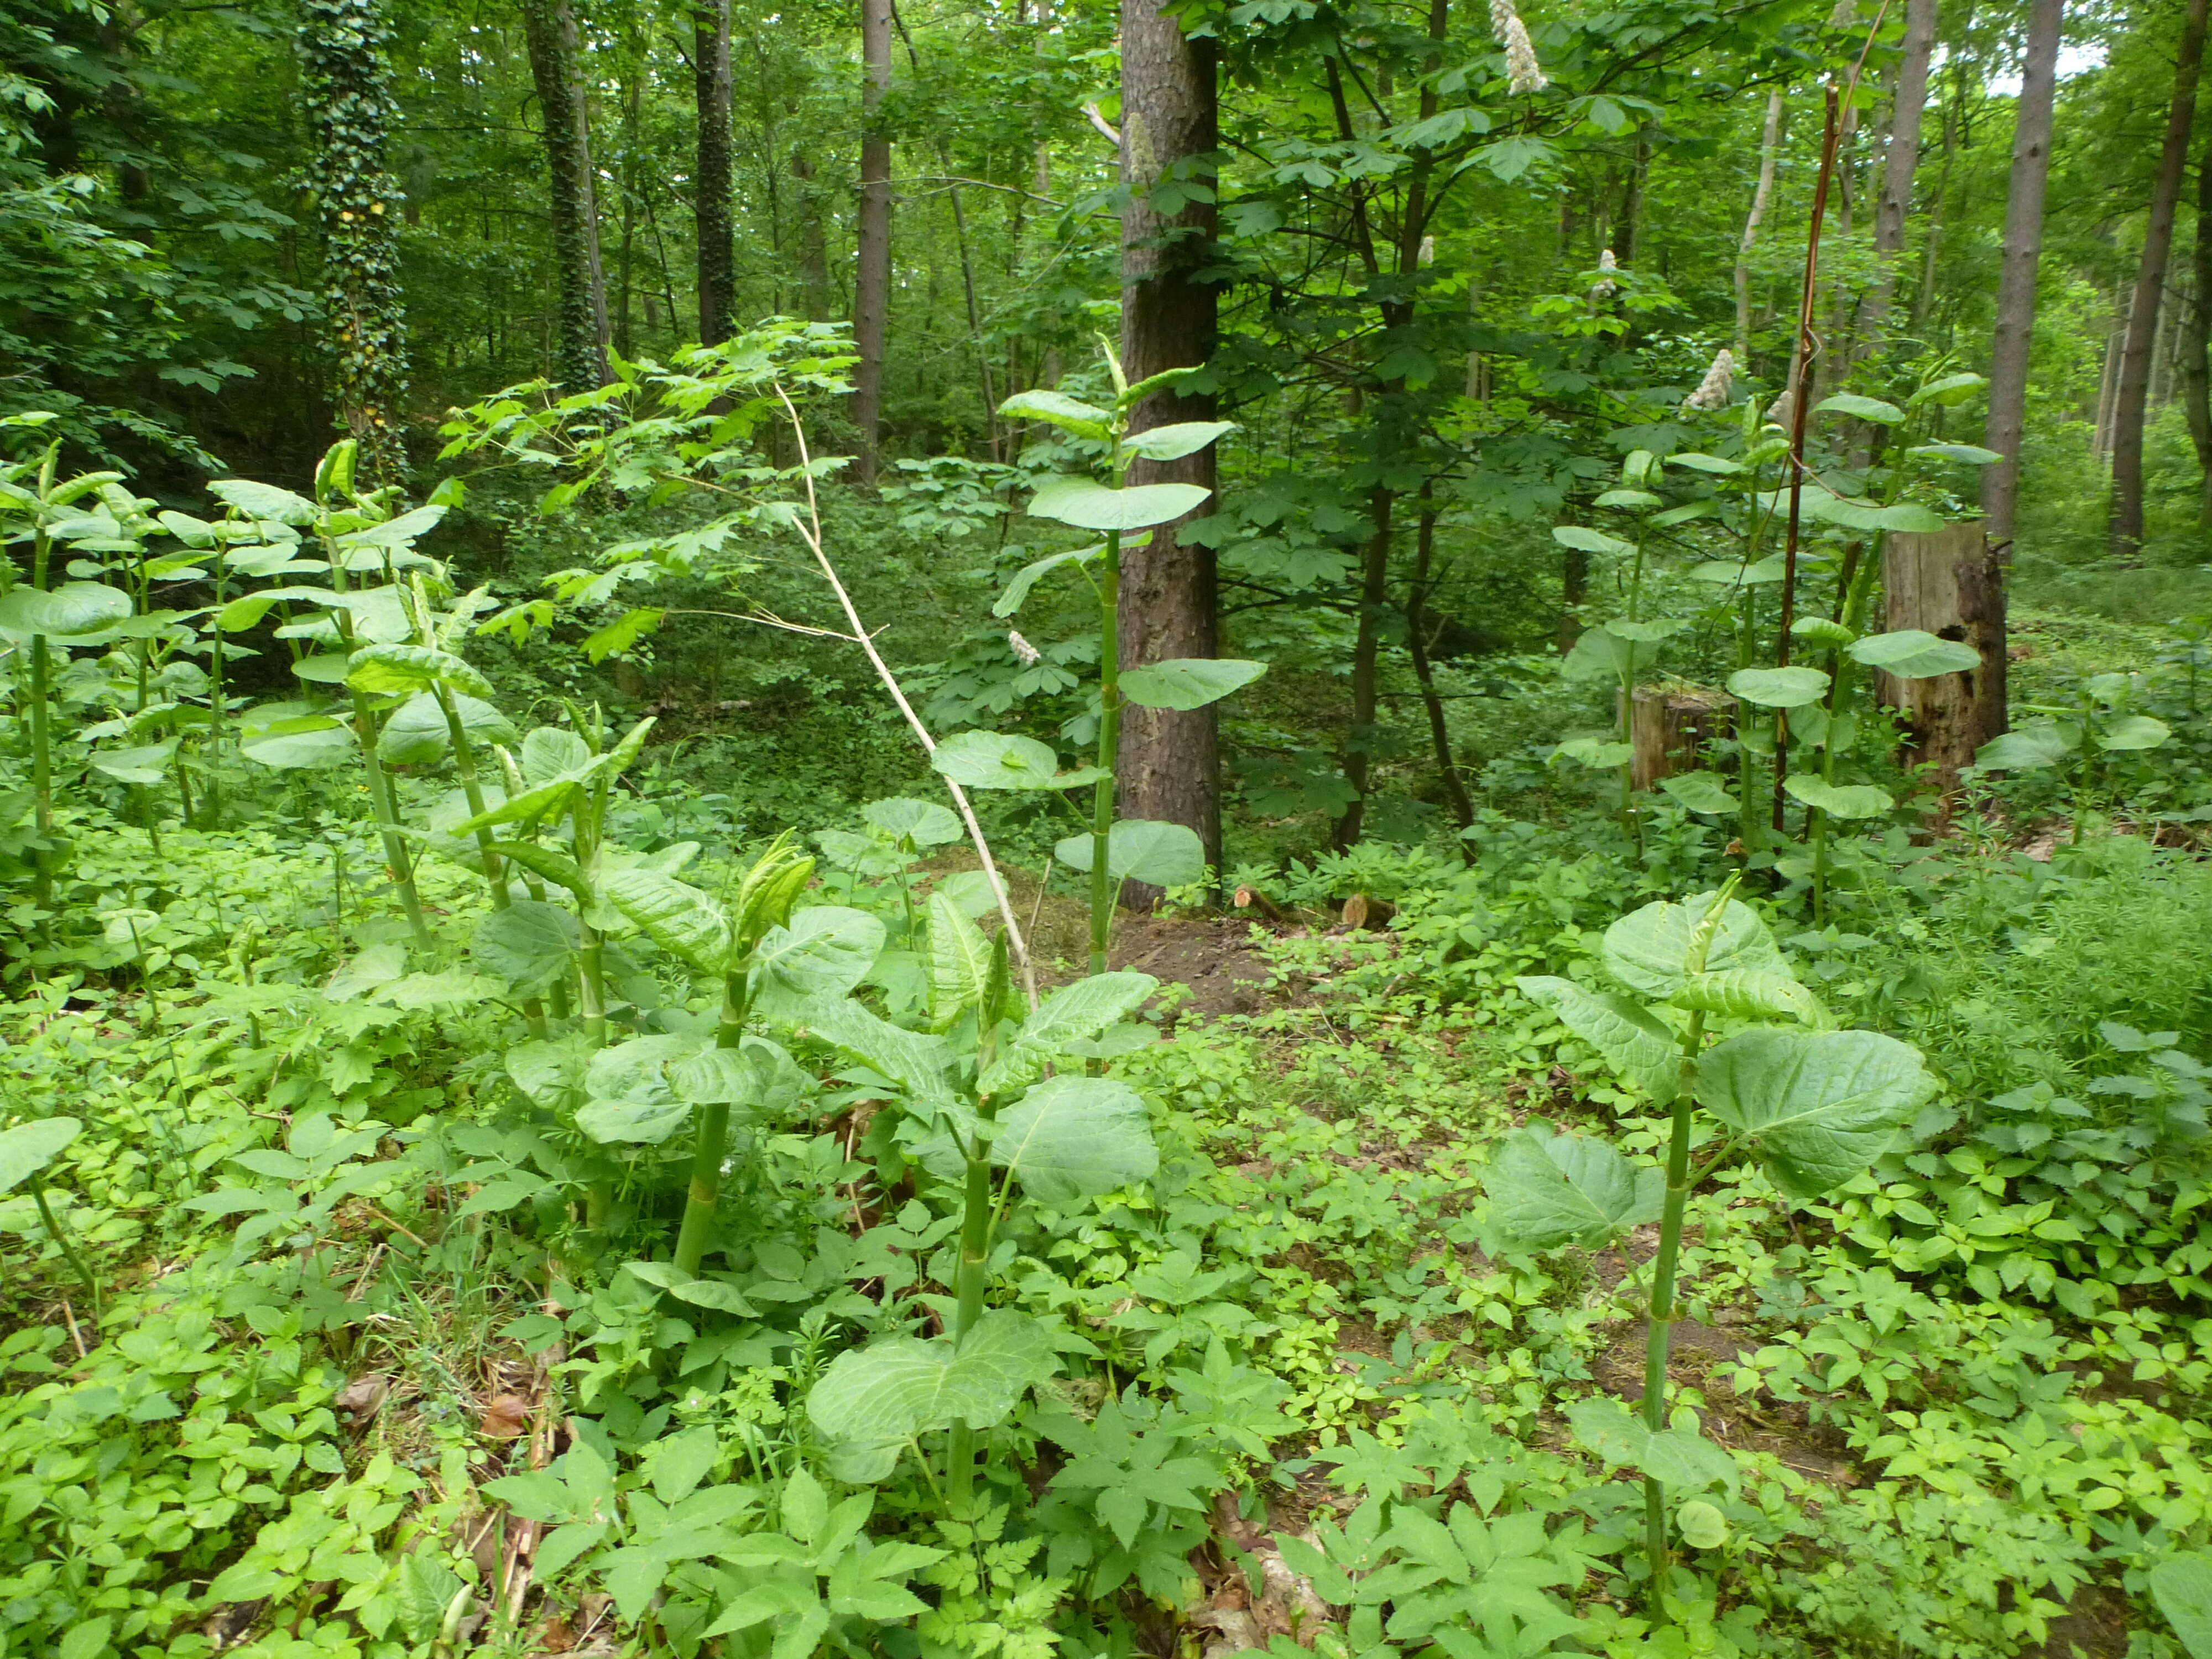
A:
(1949, 583)
(1667, 725)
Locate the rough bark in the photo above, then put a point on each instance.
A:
(813, 247)
(712, 169)
(2197, 336)
(350, 113)
(2023, 252)
(2132, 395)
(1769, 147)
(579, 351)
(1366, 668)
(871, 276)
(1950, 582)
(1171, 760)
(1894, 203)
(1416, 646)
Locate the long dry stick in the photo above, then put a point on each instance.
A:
(811, 534)
(1800, 388)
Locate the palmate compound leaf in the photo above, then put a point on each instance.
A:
(1074, 1012)
(992, 760)
(1188, 682)
(2182, 1587)
(29, 1147)
(675, 915)
(824, 952)
(1071, 1138)
(1140, 849)
(1648, 950)
(1819, 1107)
(874, 1401)
(1547, 1189)
(1633, 1041)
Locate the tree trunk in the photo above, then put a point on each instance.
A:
(1895, 204)
(1769, 147)
(1366, 667)
(711, 201)
(1950, 583)
(580, 354)
(2150, 287)
(347, 93)
(871, 276)
(2023, 252)
(813, 246)
(2197, 336)
(1416, 644)
(1170, 759)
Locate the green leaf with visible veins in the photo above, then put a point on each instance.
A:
(1819, 1106)
(1633, 1041)
(1547, 1189)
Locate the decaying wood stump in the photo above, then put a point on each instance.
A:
(1949, 583)
(1668, 724)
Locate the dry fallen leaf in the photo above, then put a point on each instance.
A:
(555, 1634)
(364, 1397)
(506, 1417)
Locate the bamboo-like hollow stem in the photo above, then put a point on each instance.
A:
(704, 1193)
(53, 1226)
(1109, 742)
(381, 800)
(465, 763)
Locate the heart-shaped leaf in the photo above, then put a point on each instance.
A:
(1062, 411)
(1699, 791)
(673, 914)
(1140, 849)
(874, 1401)
(1913, 653)
(1079, 1011)
(1070, 1138)
(1819, 1106)
(401, 668)
(1649, 950)
(416, 733)
(992, 760)
(823, 952)
(1546, 1190)
(1778, 688)
(1839, 800)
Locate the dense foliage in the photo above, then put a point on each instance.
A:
(614, 1040)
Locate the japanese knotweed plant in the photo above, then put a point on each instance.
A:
(766, 959)
(1131, 849)
(1814, 1105)
(981, 1113)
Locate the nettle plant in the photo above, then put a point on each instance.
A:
(1814, 1106)
(1130, 849)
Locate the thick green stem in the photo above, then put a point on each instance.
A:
(42, 775)
(591, 984)
(380, 797)
(53, 1226)
(1109, 745)
(1660, 1322)
(706, 1189)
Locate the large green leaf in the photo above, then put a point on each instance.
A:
(528, 945)
(1839, 800)
(2133, 731)
(551, 753)
(1649, 950)
(1140, 849)
(1680, 1458)
(1091, 506)
(1027, 577)
(2039, 744)
(872, 1402)
(1586, 540)
(991, 760)
(1173, 442)
(74, 612)
(147, 763)
(1700, 792)
(631, 1098)
(675, 915)
(1547, 1189)
(2182, 1587)
(416, 733)
(1061, 410)
(1866, 409)
(1633, 1041)
(1188, 682)
(1778, 688)
(292, 736)
(401, 668)
(922, 822)
(261, 500)
(822, 951)
(1819, 1106)
(1074, 1012)
(1076, 1137)
(29, 1147)
(1750, 993)
(913, 1060)
(959, 964)
(1609, 652)
(1913, 653)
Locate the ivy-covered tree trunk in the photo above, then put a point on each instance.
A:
(872, 273)
(2133, 394)
(580, 352)
(1170, 759)
(347, 91)
(712, 167)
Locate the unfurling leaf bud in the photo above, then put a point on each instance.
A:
(770, 888)
(334, 477)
